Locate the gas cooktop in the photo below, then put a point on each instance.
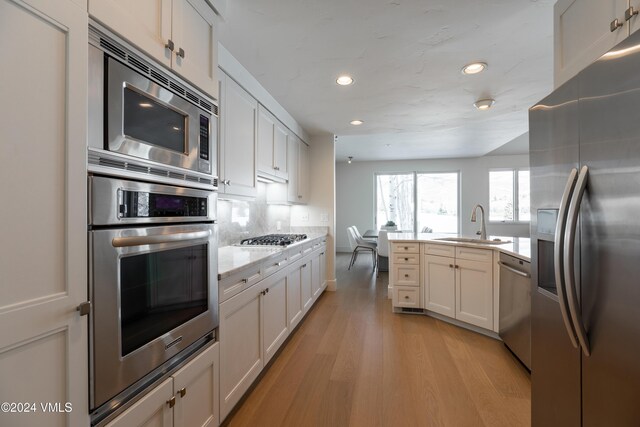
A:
(273, 240)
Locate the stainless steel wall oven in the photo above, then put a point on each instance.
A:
(153, 281)
(152, 231)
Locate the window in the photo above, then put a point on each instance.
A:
(509, 195)
(438, 202)
(394, 200)
(418, 200)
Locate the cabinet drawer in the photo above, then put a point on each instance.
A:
(274, 264)
(294, 254)
(474, 254)
(406, 275)
(237, 282)
(407, 297)
(409, 248)
(406, 259)
(440, 250)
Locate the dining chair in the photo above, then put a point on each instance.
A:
(360, 244)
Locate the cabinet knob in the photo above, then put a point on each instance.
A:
(406, 275)
(170, 45)
(406, 259)
(84, 308)
(180, 53)
(457, 266)
(171, 402)
(245, 280)
(450, 265)
(630, 13)
(182, 391)
(406, 297)
(615, 24)
(406, 248)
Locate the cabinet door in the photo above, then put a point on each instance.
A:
(238, 140)
(240, 346)
(294, 298)
(144, 23)
(315, 276)
(323, 268)
(303, 173)
(194, 31)
(474, 293)
(280, 140)
(439, 284)
(151, 411)
(43, 258)
(293, 152)
(275, 325)
(582, 33)
(266, 128)
(305, 286)
(196, 389)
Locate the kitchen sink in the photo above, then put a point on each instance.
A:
(471, 240)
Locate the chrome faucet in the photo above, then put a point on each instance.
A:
(483, 228)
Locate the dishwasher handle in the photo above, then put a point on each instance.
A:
(513, 270)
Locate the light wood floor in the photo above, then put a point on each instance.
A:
(354, 363)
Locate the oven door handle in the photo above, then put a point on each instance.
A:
(121, 242)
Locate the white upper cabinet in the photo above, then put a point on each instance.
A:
(43, 258)
(238, 140)
(272, 146)
(293, 151)
(180, 34)
(586, 29)
(303, 173)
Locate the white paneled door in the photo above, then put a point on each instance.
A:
(43, 256)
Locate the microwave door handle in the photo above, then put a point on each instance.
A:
(569, 267)
(558, 249)
(121, 242)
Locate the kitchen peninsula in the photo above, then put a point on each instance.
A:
(450, 277)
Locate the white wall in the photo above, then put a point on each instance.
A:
(355, 202)
(321, 209)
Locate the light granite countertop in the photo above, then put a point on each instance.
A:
(234, 258)
(517, 246)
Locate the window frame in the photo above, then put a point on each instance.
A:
(415, 174)
(515, 195)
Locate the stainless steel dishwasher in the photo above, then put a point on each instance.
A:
(515, 306)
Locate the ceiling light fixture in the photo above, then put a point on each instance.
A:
(350, 158)
(474, 68)
(356, 122)
(344, 80)
(484, 104)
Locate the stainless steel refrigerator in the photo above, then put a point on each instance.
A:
(585, 196)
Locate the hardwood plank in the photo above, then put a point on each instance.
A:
(352, 362)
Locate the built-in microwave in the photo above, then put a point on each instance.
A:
(141, 111)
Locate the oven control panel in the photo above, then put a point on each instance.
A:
(204, 137)
(139, 204)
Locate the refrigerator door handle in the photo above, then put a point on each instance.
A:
(569, 267)
(558, 250)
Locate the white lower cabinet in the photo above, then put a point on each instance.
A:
(295, 309)
(439, 284)
(275, 324)
(306, 286)
(315, 276)
(323, 268)
(189, 398)
(474, 293)
(240, 345)
(460, 287)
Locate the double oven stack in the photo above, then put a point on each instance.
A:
(152, 229)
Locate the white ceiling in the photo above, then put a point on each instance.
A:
(405, 57)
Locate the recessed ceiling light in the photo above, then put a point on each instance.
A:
(474, 68)
(484, 104)
(145, 105)
(350, 158)
(356, 122)
(344, 80)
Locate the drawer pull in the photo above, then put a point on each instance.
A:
(615, 24)
(406, 248)
(450, 265)
(182, 391)
(245, 280)
(171, 402)
(406, 275)
(457, 266)
(406, 297)
(406, 259)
